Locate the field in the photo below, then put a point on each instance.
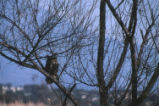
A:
(22, 104)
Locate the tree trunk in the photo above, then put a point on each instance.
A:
(100, 74)
(134, 74)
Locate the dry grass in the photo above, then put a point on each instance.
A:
(22, 104)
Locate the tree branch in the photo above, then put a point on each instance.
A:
(149, 86)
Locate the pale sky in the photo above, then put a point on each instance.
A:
(11, 73)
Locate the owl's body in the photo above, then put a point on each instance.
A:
(51, 67)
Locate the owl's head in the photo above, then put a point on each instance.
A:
(52, 56)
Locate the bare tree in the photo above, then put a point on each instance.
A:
(30, 30)
(125, 50)
(121, 54)
(133, 35)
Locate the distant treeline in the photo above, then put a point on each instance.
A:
(30, 93)
(43, 94)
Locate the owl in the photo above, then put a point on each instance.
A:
(51, 67)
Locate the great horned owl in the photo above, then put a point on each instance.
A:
(51, 67)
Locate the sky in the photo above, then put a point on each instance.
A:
(11, 73)
(19, 76)
(16, 75)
